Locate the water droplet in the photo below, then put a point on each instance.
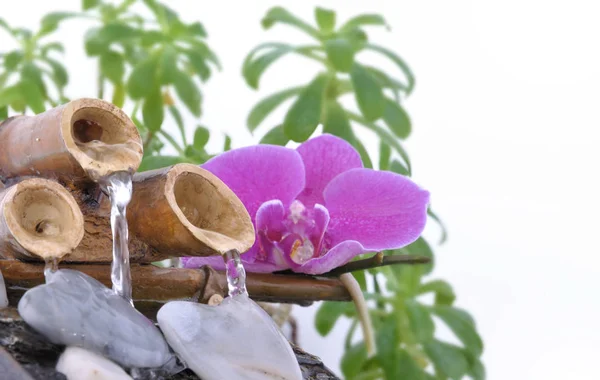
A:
(236, 274)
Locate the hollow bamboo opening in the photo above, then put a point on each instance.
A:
(39, 219)
(83, 139)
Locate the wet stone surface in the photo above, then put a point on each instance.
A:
(39, 357)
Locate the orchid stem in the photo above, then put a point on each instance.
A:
(376, 261)
(356, 293)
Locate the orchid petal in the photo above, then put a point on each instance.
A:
(324, 158)
(260, 173)
(381, 210)
(335, 257)
(321, 218)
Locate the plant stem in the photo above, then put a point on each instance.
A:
(363, 311)
(378, 260)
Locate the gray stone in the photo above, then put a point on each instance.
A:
(76, 310)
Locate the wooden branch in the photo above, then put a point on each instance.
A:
(376, 261)
(154, 286)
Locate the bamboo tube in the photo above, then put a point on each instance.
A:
(154, 286)
(181, 210)
(38, 219)
(86, 138)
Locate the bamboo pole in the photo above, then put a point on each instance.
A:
(181, 210)
(154, 286)
(81, 140)
(39, 219)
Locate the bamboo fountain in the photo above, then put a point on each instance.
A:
(53, 209)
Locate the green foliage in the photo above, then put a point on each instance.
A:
(407, 346)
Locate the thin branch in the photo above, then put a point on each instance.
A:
(376, 261)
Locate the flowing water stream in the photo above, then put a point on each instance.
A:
(118, 186)
(236, 274)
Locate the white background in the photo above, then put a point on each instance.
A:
(506, 121)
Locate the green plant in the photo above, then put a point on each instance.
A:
(406, 342)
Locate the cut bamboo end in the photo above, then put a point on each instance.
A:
(39, 219)
(86, 138)
(185, 210)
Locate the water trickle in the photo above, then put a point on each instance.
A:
(119, 188)
(50, 268)
(236, 274)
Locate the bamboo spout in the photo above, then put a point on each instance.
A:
(38, 219)
(86, 138)
(181, 210)
(185, 210)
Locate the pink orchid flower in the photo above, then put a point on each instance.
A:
(316, 207)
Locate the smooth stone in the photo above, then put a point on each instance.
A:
(74, 309)
(3, 297)
(234, 340)
(79, 364)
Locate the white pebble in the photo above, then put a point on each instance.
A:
(3, 297)
(79, 364)
(234, 340)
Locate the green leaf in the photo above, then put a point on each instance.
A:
(353, 360)
(59, 73)
(3, 113)
(157, 162)
(384, 156)
(341, 54)
(167, 68)
(97, 40)
(201, 137)
(388, 82)
(198, 62)
(447, 358)
(399, 62)
(387, 339)
(152, 37)
(477, 370)
(32, 95)
(407, 367)
(143, 78)
(362, 20)
(369, 94)
(112, 66)
(396, 119)
(32, 73)
(384, 135)
(434, 216)
(337, 123)
(9, 95)
(281, 15)
(50, 21)
(325, 19)
(52, 46)
(275, 136)
(89, 4)
(444, 294)
(462, 325)
(263, 108)
(364, 155)
(399, 168)
(153, 111)
(304, 115)
(13, 59)
(188, 92)
(420, 320)
(253, 68)
(227, 144)
(197, 29)
(327, 315)
(118, 98)
(179, 122)
(4, 25)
